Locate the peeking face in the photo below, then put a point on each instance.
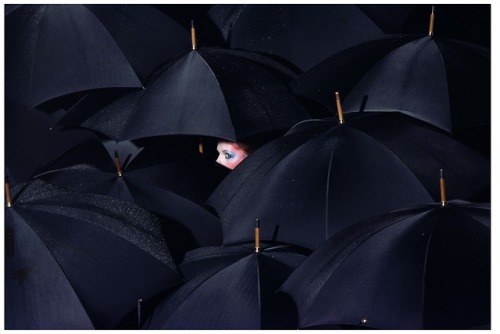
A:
(230, 154)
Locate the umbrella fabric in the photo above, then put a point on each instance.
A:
(171, 187)
(231, 288)
(53, 50)
(43, 63)
(324, 176)
(302, 35)
(75, 261)
(423, 267)
(443, 82)
(207, 92)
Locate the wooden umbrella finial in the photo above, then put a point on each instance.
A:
(8, 198)
(200, 146)
(193, 35)
(257, 236)
(442, 188)
(431, 23)
(339, 107)
(118, 164)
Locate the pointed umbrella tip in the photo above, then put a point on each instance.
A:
(8, 198)
(193, 35)
(257, 236)
(339, 108)
(431, 23)
(442, 188)
(118, 164)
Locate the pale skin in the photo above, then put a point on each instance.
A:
(230, 154)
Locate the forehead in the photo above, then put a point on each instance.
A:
(226, 146)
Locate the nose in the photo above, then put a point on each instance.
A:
(219, 161)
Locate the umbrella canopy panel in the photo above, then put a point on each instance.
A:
(423, 267)
(112, 254)
(53, 50)
(208, 92)
(231, 288)
(323, 176)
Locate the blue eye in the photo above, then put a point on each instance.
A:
(228, 155)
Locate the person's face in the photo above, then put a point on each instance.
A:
(230, 154)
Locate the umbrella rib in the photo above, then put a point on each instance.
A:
(327, 197)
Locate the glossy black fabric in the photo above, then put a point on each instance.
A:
(76, 261)
(231, 288)
(324, 176)
(170, 187)
(208, 92)
(302, 35)
(422, 267)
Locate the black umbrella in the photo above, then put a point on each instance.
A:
(53, 50)
(303, 35)
(207, 92)
(232, 287)
(312, 182)
(422, 267)
(171, 186)
(441, 81)
(76, 261)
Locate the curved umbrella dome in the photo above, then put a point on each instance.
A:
(323, 176)
(441, 81)
(421, 267)
(208, 92)
(54, 50)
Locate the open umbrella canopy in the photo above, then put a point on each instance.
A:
(231, 287)
(441, 81)
(324, 176)
(167, 185)
(53, 50)
(422, 267)
(302, 35)
(207, 92)
(76, 261)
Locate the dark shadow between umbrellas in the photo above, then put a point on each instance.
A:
(302, 35)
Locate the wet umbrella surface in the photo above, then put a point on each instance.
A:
(171, 186)
(123, 215)
(79, 260)
(208, 92)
